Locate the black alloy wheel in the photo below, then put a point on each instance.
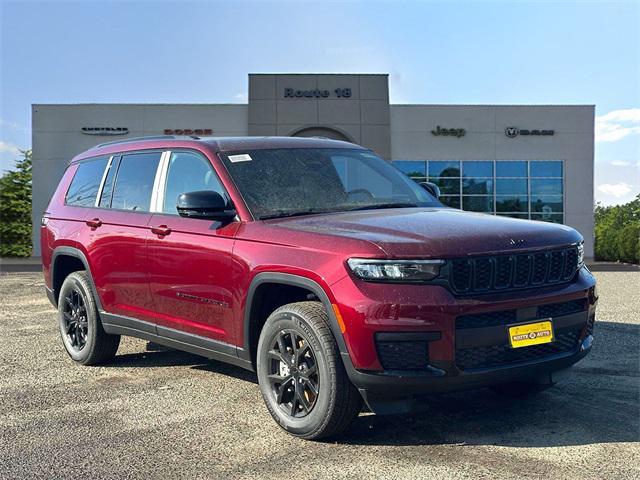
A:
(83, 335)
(293, 373)
(302, 378)
(76, 323)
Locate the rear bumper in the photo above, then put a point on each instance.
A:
(395, 391)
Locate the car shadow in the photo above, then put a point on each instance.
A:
(166, 357)
(599, 402)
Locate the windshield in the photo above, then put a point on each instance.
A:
(287, 182)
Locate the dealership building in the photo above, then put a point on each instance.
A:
(525, 161)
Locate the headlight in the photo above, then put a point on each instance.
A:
(580, 255)
(395, 270)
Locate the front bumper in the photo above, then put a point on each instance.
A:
(462, 355)
(395, 392)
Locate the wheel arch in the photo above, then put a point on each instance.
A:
(255, 296)
(64, 261)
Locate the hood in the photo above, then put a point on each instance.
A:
(435, 232)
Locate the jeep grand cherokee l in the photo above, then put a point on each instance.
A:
(317, 265)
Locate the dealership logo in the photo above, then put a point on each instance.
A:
(188, 131)
(317, 93)
(450, 132)
(513, 132)
(517, 242)
(105, 130)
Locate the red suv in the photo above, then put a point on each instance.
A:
(314, 263)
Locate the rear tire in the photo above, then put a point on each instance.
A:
(302, 379)
(82, 334)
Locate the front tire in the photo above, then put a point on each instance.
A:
(82, 334)
(301, 376)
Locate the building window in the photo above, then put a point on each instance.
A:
(529, 189)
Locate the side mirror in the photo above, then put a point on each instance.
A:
(432, 188)
(205, 204)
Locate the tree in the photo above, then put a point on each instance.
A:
(15, 209)
(617, 232)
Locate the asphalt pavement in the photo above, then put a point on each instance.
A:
(167, 414)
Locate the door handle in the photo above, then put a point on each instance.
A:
(161, 230)
(94, 223)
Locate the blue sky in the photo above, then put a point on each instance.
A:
(435, 52)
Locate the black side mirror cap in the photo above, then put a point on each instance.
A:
(206, 205)
(432, 188)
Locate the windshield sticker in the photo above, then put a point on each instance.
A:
(239, 158)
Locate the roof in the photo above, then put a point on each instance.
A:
(212, 144)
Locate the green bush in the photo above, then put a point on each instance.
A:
(617, 230)
(15, 209)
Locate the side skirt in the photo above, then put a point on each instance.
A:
(172, 338)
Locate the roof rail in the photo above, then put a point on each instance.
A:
(142, 139)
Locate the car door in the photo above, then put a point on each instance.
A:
(189, 259)
(118, 231)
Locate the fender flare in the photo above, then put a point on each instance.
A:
(79, 254)
(296, 281)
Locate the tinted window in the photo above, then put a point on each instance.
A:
(478, 203)
(477, 169)
(546, 186)
(477, 186)
(511, 169)
(188, 172)
(86, 182)
(512, 203)
(444, 169)
(511, 185)
(546, 169)
(134, 181)
(411, 168)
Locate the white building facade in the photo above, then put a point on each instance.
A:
(524, 161)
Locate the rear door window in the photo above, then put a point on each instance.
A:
(86, 183)
(134, 182)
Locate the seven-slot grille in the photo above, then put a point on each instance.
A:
(505, 272)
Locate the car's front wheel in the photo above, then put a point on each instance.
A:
(301, 376)
(82, 334)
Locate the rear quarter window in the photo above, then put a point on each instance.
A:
(86, 183)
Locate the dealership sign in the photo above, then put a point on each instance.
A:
(188, 131)
(105, 130)
(317, 93)
(450, 132)
(513, 132)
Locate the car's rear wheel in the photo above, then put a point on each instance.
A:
(82, 334)
(301, 376)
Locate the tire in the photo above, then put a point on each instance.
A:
(81, 331)
(298, 410)
(520, 389)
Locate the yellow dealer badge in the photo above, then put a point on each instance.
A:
(531, 334)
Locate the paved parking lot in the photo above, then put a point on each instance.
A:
(173, 415)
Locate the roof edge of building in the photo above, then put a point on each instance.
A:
(492, 105)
